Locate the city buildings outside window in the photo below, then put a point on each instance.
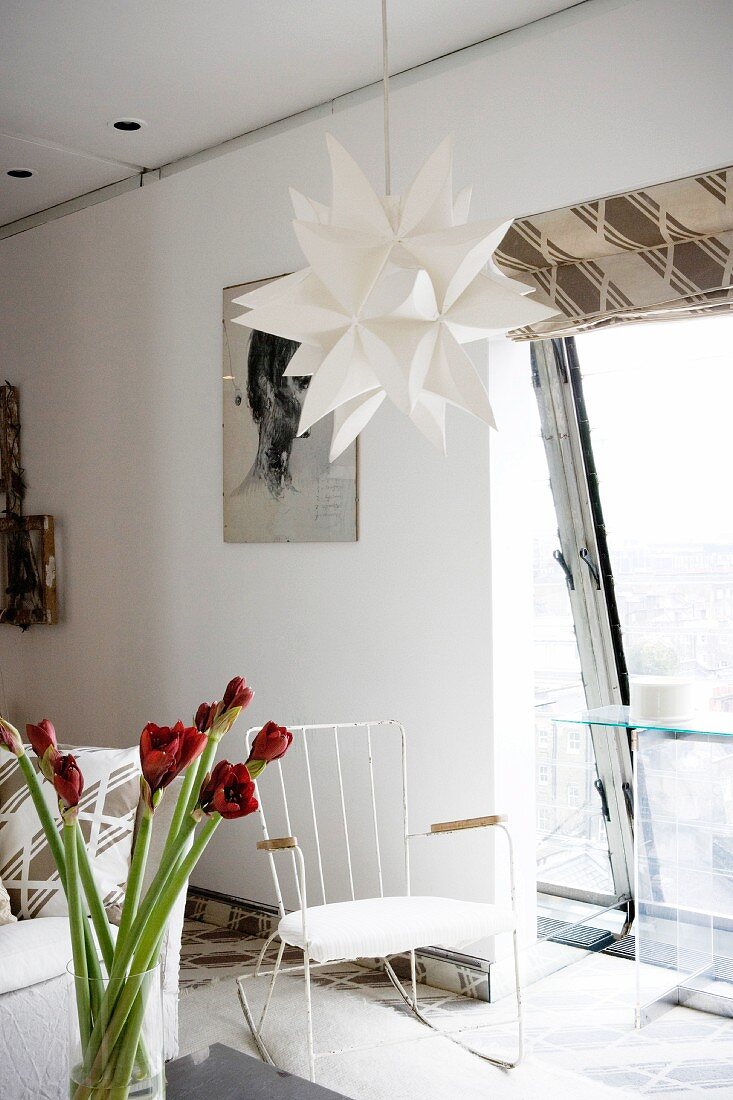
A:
(669, 534)
(670, 539)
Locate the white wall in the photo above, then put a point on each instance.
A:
(512, 590)
(110, 325)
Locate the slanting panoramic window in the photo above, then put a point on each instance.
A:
(572, 846)
(633, 565)
(659, 400)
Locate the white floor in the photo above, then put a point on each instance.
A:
(582, 1017)
(578, 1021)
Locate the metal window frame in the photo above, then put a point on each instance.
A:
(565, 432)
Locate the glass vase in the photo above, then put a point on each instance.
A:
(116, 1037)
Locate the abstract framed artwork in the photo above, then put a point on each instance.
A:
(278, 486)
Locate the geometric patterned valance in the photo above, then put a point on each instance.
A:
(661, 252)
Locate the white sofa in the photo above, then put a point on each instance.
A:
(33, 991)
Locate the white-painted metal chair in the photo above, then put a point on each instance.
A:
(363, 924)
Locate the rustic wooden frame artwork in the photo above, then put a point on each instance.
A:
(27, 544)
(29, 596)
(11, 471)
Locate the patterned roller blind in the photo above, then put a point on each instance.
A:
(665, 251)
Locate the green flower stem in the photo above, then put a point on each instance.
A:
(51, 832)
(204, 767)
(50, 829)
(76, 924)
(129, 911)
(125, 951)
(189, 793)
(126, 948)
(179, 813)
(154, 929)
(94, 970)
(134, 1024)
(144, 957)
(94, 902)
(137, 871)
(131, 1059)
(119, 1068)
(45, 816)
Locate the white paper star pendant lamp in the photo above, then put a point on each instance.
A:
(394, 288)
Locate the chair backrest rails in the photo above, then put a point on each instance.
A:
(342, 791)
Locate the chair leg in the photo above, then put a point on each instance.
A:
(520, 1006)
(309, 1014)
(411, 1003)
(263, 952)
(256, 1028)
(413, 977)
(273, 979)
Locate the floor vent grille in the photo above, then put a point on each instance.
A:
(621, 949)
(664, 955)
(583, 936)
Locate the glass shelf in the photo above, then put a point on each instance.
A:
(713, 723)
(683, 857)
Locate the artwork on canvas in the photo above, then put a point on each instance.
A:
(27, 550)
(278, 486)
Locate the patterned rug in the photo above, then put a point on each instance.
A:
(579, 1019)
(397, 1057)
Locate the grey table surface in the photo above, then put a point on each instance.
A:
(227, 1074)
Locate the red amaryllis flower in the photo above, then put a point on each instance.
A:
(43, 742)
(68, 781)
(166, 751)
(10, 738)
(42, 736)
(237, 694)
(228, 791)
(271, 743)
(205, 715)
(218, 718)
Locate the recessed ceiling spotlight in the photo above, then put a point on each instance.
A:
(128, 125)
(20, 173)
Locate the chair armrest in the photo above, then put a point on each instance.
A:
(466, 823)
(284, 844)
(277, 843)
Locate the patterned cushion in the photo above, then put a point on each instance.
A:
(107, 819)
(6, 916)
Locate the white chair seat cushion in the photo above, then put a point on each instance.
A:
(376, 927)
(33, 951)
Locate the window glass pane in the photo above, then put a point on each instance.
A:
(572, 847)
(659, 400)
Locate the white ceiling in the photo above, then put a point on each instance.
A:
(198, 71)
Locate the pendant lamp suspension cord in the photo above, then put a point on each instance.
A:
(385, 84)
